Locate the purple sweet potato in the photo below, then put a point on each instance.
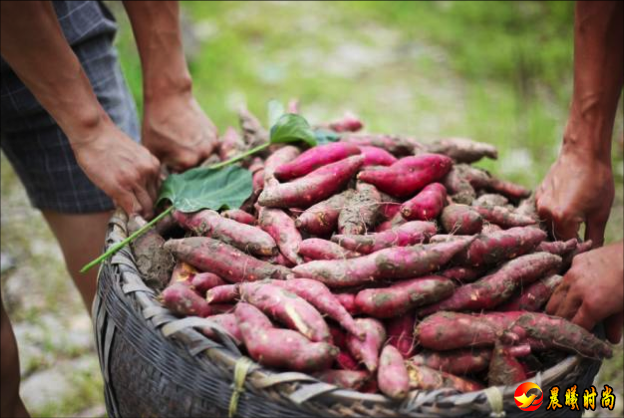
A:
(321, 219)
(228, 293)
(180, 299)
(361, 210)
(392, 263)
(182, 272)
(461, 219)
(561, 248)
(426, 205)
(463, 150)
(230, 144)
(257, 182)
(396, 221)
(581, 247)
(410, 233)
(506, 188)
(288, 308)
(408, 175)
(376, 156)
(397, 145)
(281, 348)
(345, 361)
(348, 123)
(202, 282)
(312, 188)
(315, 158)
(492, 290)
(491, 200)
(503, 217)
(239, 216)
(392, 374)
(223, 260)
(253, 132)
(462, 274)
(457, 362)
(320, 249)
(228, 322)
(403, 296)
(348, 301)
(534, 297)
(528, 208)
(282, 229)
(505, 369)
(153, 262)
(346, 379)
(425, 378)
(282, 156)
(367, 351)
(244, 237)
(401, 333)
(489, 228)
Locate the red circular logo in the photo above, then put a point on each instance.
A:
(528, 396)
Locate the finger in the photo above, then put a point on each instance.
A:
(595, 229)
(584, 318)
(128, 202)
(557, 297)
(565, 228)
(152, 188)
(570, 306)
(147, 204)
(613, 327)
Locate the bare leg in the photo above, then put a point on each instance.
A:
(81, 237)
(11, 404)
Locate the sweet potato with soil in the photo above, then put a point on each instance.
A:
(410, 233)
(321, 219)
(288, 308)
(227, 262)
(244, 237)
(505, 369)
(392, 263)
(392, 374)
(581, 247)
(348, 123)
(459, 189)
(182, 272)
(534, 297)
(408, 175)
(180, 299)
(463, 150)
(282, 229)
(491, 200)
(345, 361)
(239, 216)
(230, 144)
(396, 221)
(461, 220)
(427, 204)
(367, 351)
(202, 282)
(561, 248)
(228, 322)
(281, 348)
(462, 274)
(315, 158)
(228, 293)
(346, 379)
(348, 301)
(312, 188)
(425, 378)
(376, 156)
(253, 132)
(494, 289)
(257, 182)
(400, 331)
(489, 228)
(403, 296)
(361, 210)
(527, 208)
(282, 156)
(320, 249)
(457, 362)
(509, 189)
(503, 217)
(397, 145)
(154, 262)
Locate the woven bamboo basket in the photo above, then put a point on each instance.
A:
(155, 364)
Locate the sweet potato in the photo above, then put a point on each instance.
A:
(462, 274)
(367, 351)
(228, 293)
(392, 263)
(224, 260)
(492, 290)
(503, 217)
(282, 156)
(458, 362)
(397, 145)
(427, 204)
(401, 333)
(239, 216)
(410, 233)
(348, 301)
(505, 369)
(286, 307)
(461, 219)
(527, 208)
(244, 237)
(561, 248)
(154, 262)
(460, 190)
(408, 175)
(319, 296)
(182, 272)
(403, 296)
(491, 200)
(202, 282)
(315, 158)
(425, 378)
(534, 297)
(392, 374)
(282, 229)
(376, 156)
(281, 348)
(361, 210)
(293, 106)
(321, 219)
(180, 299)
(346, 379)
(253, 132)
(312, 188)
(279, 259)
(581, 247)
(509, 189)
(396, 221)
(320, 249)
(228, 322)
(389, 207)
(230, 144)
(463, 150)
(348, 123)
(345, 361)
(489, 228)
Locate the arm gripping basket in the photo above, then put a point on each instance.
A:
(157, 365)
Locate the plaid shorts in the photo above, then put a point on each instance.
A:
(32, 141)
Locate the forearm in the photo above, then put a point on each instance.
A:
(156, 30)
(598, 76)
(36, 49)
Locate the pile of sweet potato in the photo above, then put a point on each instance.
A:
(376, 263)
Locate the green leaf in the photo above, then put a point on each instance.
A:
(206, 188)
(292, 128)
(276, 109)
(324, 136)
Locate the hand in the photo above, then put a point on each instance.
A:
(593, 291)
(123, 169)
(177, 131)
(578, 188)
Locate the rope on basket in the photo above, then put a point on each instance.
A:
(242, 367)
(495, 399)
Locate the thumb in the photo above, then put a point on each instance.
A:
(595, 228)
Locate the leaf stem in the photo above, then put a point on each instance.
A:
(112, 250)
(240, 157)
